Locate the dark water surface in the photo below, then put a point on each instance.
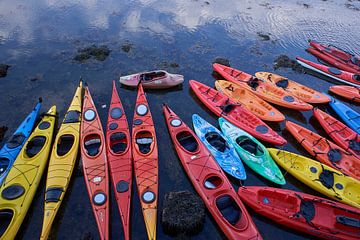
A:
(39, 39)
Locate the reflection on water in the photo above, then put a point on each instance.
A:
(41, 38)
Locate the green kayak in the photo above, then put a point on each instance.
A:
(252, 152)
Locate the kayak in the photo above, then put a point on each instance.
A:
(349, 92)
(119, 155)
(235, 113)
(158, 79)
(331, 72)
(348, 115)
(303, 212)
(302, 92)
(62, 160)
(320, 177)
(252, 152)
(19, 187)
(250, 101)
(12, 147)
(335, 56)
(145, 155)
(267, 91)
(339, 132)
(325, 151)
(95, 166)
(210, 182)
(222, 151)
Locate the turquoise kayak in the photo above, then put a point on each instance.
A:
(12, 147)
(223, 151)
(348, 115)
(252, 152)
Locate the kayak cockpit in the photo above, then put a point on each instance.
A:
(4, 164)
(250, 146)
(34, 146)
(6, 217)
(216, 141)
(149, 76)
(64, 144)
(118, 142)
(187, 141)
(230, 211)
(92, 144)
(16, 140)
(144, 141)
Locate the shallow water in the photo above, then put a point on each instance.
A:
(40, 38)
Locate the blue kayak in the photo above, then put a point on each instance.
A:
(348, 115)
(12, 147)
(223, 152)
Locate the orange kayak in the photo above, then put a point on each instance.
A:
(267, 91)
(93, 155)
(325, 151)
(119, 156)
(348, 92)
(302, 92)
(145, 155)
(254, 104)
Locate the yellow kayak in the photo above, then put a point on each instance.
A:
(302, 92)
(320, 177)
(19, 187)
(253, 103)
(62, 161)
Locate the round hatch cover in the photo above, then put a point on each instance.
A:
(175, 122)
(141, 109)
(122, 186)
(99, 198)
(113, 126)
(148, 197)
(116, 113)
(89, 115)
(13, 192)
(138, 122)
(44, 125)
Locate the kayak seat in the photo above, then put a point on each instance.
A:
(249, 145)
(64, 144)
(227, 108)
(327, 179)
(72, 117)
(356, 77)
(334, 155)
(118, 142)
(6, 217)
(253, 83)
(216, 141)
(352, 222)
(354, 145)
(151, 75)
(187, 141)
(16, 140)
(119, 147)
(92, 146)
(307, 210)
(34, 146)
(144, 144)
(4, 163)
(229, 209)
(53, 194)
(283, 83)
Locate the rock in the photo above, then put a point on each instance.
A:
(99, 53)
(37, 77)
(263, 36)
(174, 65)
(126, 47)
(284, 61)
(222, 61)
(3, 130)
(3, 69)
(183, 214)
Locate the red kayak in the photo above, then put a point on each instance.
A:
(210, 181)
(325, 151)
(145, 155)
(235, 113)
(265, 90)
(334, 73)
(313, 215)
(344, 136)
(93, 155)
(118, 149)
(335, 56)
(349, 92)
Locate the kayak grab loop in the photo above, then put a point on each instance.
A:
(34, 146)
(13, 192)
(64, 144)
(16, 140)
(176, 122)
(142, 109)
(72, 116)
(89, 115)
(116, 113)
(187, 141)
(99, 198)
(148, 197)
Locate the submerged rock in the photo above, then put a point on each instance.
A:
(284, 61)
(3, 69)
(263, 36)
(99, 53)
(37, 77)
(126, 47)
(3, 130)
(222, 61)
(183, 213)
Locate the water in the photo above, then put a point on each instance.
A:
(40, 38)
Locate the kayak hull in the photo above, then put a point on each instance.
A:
(348, 115)
(349, 92)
